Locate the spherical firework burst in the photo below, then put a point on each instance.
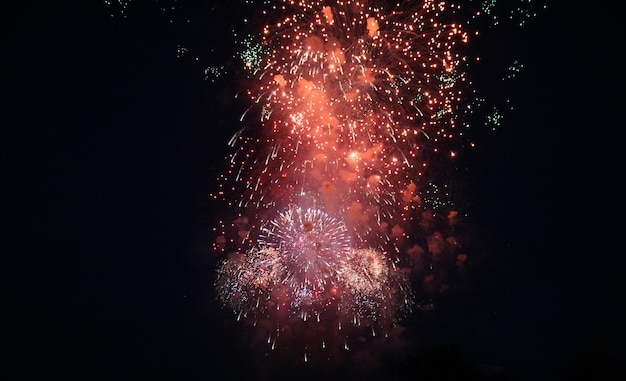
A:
(312, 243)
(294, 266)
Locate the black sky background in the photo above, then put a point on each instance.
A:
(111, 145)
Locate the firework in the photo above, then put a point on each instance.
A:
(313, 246)
(351, 101)
(379, 292)
(294, 267)
(336, 179)
(304, 263)
(304, 273)
(245, 281)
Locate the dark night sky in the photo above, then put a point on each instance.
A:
(111, 145)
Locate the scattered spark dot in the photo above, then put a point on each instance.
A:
(514, 69)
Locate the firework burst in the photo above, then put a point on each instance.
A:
(313, 246)
(336, 180)
(304, 273)
(351, 102)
